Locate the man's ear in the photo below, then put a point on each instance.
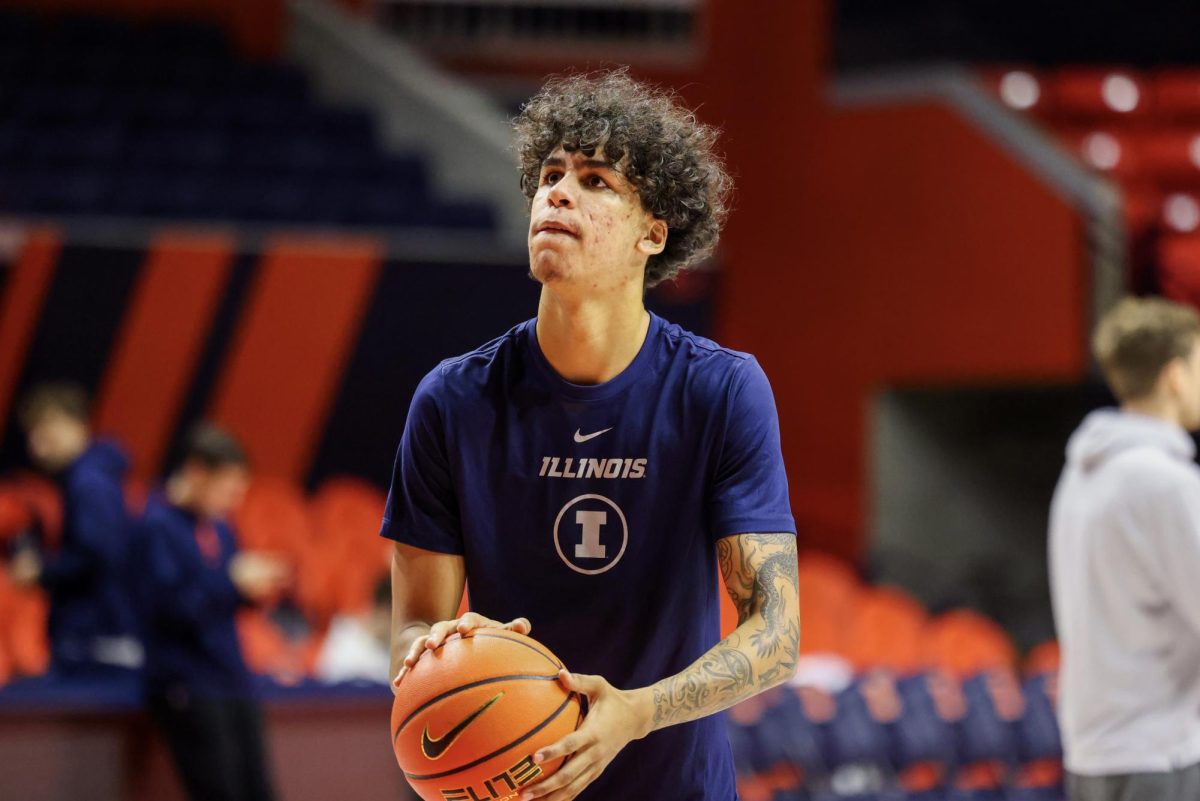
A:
(655, 238)
(1173, 377)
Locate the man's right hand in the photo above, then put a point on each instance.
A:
(258, 576)
(464, 625)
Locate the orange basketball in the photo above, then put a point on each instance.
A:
(470, 715)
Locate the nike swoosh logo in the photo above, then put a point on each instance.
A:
(433, 748)
(585, 437)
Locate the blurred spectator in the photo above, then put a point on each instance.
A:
(92, 627)
(356, 646)
(1124, 559)
(192, 581)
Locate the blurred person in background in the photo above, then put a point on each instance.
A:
(192, 582)
(1125, 566)
(357, 646)
(92, 625)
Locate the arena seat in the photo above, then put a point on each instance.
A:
(1106, 150)
(24, 631)
(165, 121)
(15, 515)
(829, 592)
(1176, 95)
(1179, 268)
(886, 631)
(1086, 93)
(964, 643)
(1043, 659)
(1171, 158)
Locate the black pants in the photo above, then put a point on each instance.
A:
(1182, 784)
(216, 745)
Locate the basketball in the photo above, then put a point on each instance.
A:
(470, 715)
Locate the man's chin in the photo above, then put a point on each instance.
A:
(547, 271)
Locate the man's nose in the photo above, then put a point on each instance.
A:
(561, 196)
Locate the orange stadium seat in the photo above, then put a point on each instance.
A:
(886, 631)
(346, 516)
(274, 518)
(963, 643)
(829, 593)
(1044, 658)
(269, 652)
(24, 613)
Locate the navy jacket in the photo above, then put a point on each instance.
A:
(189, 602)
(87, 577)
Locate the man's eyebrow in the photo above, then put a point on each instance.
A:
(555, 161)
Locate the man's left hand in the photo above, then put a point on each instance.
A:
(615, 717)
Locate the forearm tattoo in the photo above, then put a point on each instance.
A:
(760, 575)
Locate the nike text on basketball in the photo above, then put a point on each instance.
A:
(501, 787)
(570, 467)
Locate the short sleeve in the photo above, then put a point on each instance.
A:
(422, 509)
(749, 491)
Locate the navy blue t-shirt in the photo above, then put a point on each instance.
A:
(594, 512)
(189, 603)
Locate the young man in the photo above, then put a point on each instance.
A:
(92, 627)
(1125, 566)
(587, 471)
(192, 582)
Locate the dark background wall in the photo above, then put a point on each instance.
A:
(310, 351)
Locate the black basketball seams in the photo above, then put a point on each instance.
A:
(540, 652)
(468, 686)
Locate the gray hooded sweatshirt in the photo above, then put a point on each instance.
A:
(1125, 582)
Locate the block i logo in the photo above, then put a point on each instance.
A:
(590, 534)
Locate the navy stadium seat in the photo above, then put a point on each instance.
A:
(162, 120)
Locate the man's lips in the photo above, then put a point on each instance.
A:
(552, 227)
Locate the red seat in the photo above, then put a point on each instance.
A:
(1179, 212)
(1019, 88)
(1176, 95)
(1179, 268)
(1099, 94)
(44, 500)
(1171, 157)
(1112, 151)
(15, 515)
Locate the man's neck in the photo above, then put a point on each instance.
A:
(1158, 408)
(590, 341)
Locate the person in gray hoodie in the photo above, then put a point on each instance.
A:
(1125, 566)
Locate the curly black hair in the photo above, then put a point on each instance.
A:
(655, 141)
